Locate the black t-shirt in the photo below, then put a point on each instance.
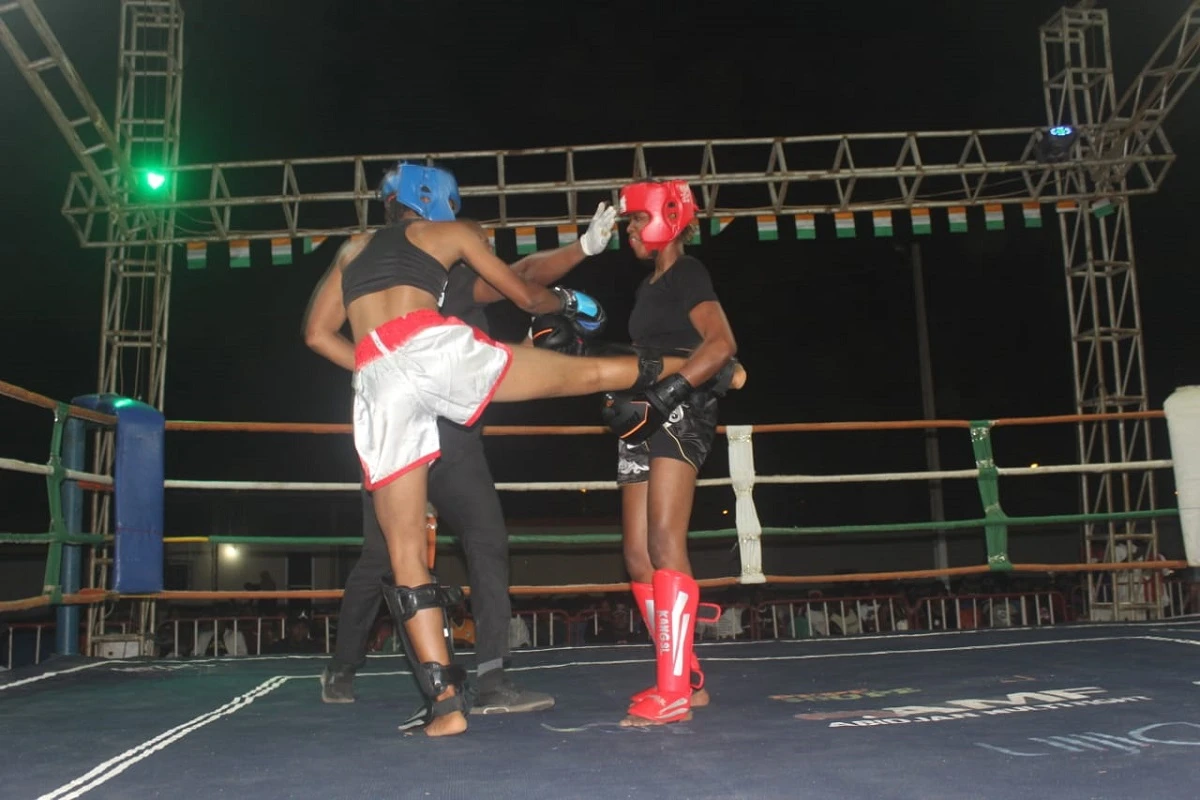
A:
(459, 298)
(660, 311)
(459, 301)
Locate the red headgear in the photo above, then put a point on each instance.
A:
(669, 204)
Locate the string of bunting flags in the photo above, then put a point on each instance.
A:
(530, 239)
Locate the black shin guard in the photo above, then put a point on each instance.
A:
(404, 602)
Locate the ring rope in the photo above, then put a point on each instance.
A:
(587, 430)
(719, 533)
(94, 597)
(35, 399)
(566, 486)
(14, 465)
(706, 583)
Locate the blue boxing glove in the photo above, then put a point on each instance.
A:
(583, 309)
(636, 416)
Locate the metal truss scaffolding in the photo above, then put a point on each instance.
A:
(560, 185)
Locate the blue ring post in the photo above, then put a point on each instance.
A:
(138, 473)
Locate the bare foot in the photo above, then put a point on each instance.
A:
(700, 698)
(641, 722)
(739, 377)
(450, 724)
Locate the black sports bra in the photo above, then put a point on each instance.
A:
(390, 259)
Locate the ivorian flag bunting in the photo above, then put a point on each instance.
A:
(882, 220)
(526, 240)
(281, 251)
(806, 226)
(921, 224)
(768, 228)
(239, 253)
(993, 217)
(567, 234)
(958, 219)
(843, 221)
(197, 255)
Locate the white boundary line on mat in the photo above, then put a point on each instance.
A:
(54, 674)
(114, 766)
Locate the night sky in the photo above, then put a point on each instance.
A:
(826, 328)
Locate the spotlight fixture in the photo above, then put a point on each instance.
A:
(1055, 146)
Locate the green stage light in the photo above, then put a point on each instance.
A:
(155, 180)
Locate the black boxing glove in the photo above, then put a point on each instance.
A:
(636, 416)
(556, 332)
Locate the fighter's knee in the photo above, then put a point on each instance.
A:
(639, 565)
(666, 553)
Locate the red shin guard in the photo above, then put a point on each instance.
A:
(643, 595)
(674, 620)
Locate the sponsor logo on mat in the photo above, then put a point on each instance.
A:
(1171, 734)
(973, 707)
(844, 694)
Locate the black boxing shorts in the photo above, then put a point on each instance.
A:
(686, 436)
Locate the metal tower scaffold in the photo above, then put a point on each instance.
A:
(1107, 344)
(1121, 152)
(137, 265)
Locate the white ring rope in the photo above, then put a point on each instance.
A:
(14, 465)
(568, 486)
(742, 479)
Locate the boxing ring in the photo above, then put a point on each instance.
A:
(1041, 705)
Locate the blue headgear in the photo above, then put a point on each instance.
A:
(429, 191)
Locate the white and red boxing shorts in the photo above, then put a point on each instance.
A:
(407, 373)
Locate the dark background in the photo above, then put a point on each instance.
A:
(826, 327)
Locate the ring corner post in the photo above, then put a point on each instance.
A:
(1182, 410)
(139, 471)
(70, 453)
(749, 529)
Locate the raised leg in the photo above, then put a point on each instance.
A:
(536, 373)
